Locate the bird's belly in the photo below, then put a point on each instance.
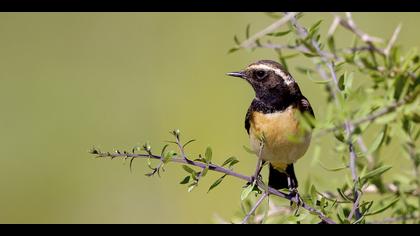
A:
(284, 142)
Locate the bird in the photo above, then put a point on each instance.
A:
(272, 120)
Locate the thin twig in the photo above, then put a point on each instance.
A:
(254, 208)
(391, 42)
(349, 24)
(180, 146)
(375, 115)
(302, 32)
(219, 169)
(271, 28)
(333, 26)
(356, 195)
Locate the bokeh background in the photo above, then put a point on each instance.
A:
(69, 81)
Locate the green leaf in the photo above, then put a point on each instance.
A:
(314, 195)
(348, 83)
(246, 191)
(376, 172)
(377, 142)
(332, 169)
(280, 33)
(385, 119)
(232, 163)
(314, 27)
(247, 31)
(192, 140)
(401, 87)
(308, 73)
(382, 209)
(188, 169)
(208, 155)
(343, 195)
(204, 172)
(192, 186)
(235, 38)
(248, 150)
(216, 183)
(341, 215)
(291, 55)
(169, 155)
(162, 153)
(185, 180)
(340, 136)
(341, 82)
(229, 160)
(331, 44)
(232, 50)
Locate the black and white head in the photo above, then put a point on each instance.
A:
(271, 82)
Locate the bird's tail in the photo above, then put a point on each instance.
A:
(279, 179)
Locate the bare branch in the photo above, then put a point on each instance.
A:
(254, 208)
(375, 115)
(271, 28)
(219, 169)
(392, 40)
(355, 209)
(333, 26)
(349, 24)
(348, 126)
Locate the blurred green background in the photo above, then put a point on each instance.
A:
(69, 81)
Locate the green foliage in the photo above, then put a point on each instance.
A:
(368, 85)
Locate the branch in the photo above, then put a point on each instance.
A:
(302, 32)
(387, 109)
(254, 208)
(349, 24)
(247, 43)
(392, 40)
(219, 169)
(355, 209)
(370, 118)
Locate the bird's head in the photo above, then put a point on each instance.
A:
(269, 79)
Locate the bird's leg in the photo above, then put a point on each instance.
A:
(257, 172)
(294, 194)
(259, 166)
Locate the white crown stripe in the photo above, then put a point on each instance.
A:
(288, 79)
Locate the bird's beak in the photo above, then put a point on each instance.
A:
(239, 74)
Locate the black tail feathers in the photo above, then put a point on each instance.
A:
(279, 180)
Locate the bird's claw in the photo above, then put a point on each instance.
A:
(295, 197)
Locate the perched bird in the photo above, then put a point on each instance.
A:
(272, 119)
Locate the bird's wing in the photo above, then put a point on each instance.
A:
(247, 120)
(305, 106)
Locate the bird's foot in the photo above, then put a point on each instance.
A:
(294, 197)
(254, 180)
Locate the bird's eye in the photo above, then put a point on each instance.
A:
(260, 74)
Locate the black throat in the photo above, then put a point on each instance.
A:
(275, 100)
